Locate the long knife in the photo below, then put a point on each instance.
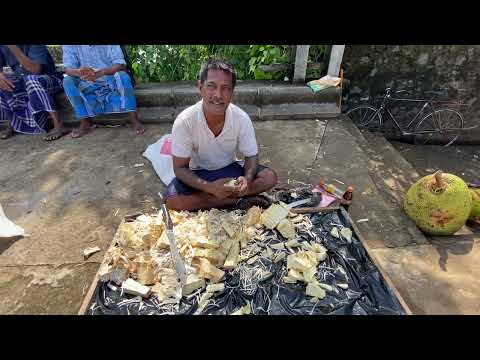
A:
(177, 260)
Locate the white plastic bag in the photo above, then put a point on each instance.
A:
(160, 155)
(8, 228)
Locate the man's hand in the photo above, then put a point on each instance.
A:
(89, 74)
(5, 83)
(242, 189)
(219, 190)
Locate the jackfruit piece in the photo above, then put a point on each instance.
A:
(326, 286)
(309, 274)
(334, 232)
(273, 215)
(300, 261)
(232, 257)
(133, 287)
(204, 242)
(292, 243)
(279, 256)
(208, 271)
(215, 287)
(252, 217)
(347, 234)
(252, 260)
(315, 291)
(286, 228)
(193, 283)
(244, 310)
(211, 255)
(227, 227)
(295, 274)
(278, 246)
(162, 242)
(146, 273)
(289, 280)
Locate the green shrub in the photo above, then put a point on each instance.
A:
(155, 63)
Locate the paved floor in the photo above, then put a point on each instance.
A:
(72, 194)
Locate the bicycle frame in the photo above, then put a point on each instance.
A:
(384, 108)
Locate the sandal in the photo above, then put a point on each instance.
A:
(255, 200)
(56, 134)
(7, 134)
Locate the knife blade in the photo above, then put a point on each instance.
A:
(177, 259)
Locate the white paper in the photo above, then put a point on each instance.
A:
(8, 228)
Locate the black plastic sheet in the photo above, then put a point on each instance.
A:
(346, 262)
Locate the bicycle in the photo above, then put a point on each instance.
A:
(437, 125)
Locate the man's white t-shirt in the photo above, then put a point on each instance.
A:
(192, 138)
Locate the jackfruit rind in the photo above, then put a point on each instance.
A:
(475, 212)
(439, 209)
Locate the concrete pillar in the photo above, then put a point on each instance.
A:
(336, 57)
(301, 59)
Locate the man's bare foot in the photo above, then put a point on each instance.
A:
(139, 129)
(7, 133)
(82, 130)
(56, 134)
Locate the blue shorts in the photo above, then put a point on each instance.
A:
(234, 170)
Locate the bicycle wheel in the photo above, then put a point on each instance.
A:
(365, 116)
(440, 127)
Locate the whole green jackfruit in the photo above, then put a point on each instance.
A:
(439, 204)
(475, 213)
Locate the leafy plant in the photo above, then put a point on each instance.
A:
(155, 63)
(267, 55)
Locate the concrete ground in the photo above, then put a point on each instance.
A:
(462, 160)
(72, 194)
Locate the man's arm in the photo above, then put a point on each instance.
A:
(183, 173)
(31, 66)
(250, 167)
(85, 74)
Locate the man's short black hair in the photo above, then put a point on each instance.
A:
(217, 64)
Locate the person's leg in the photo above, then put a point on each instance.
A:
(59, 130)
(6, 114)
(137, 125)
(70, 85)
(127, 99)
(40, 90)
(85, 127)
(180, 196)
(198, 201)
(265, 180)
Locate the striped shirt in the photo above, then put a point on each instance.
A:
(94, 56)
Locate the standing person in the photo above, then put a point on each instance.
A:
(205, 141)
(97, 83)
(26, 95)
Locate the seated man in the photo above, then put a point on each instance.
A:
(97, 83)
(26, 96)
(205, 140)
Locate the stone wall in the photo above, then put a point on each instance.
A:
(417, 68)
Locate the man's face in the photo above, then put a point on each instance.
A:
(216, 91)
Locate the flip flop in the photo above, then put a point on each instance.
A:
(7, 134)
(78, 133)
(140, 131)
(254, 200)
(56, 134)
